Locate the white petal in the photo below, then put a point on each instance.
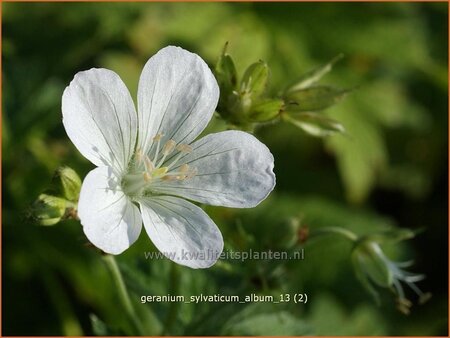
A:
(177, 96)
(182, 231)
(110, 221)
(234, 170)
(100, 118)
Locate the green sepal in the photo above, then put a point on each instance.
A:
(315, 124)
(392, 236)
(311, 77)
(373, 263)
(363, 278)
(266, 110)
(314, 98)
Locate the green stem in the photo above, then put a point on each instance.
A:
(173, 289)
(335, 230)
(123, 293)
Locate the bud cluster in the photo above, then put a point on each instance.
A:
(244, 102)
(60, 200)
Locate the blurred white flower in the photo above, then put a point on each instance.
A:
(374, 268)
(148, 163)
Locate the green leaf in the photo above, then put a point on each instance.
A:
(328, 315)
(360, 157)
(256, 320)
(315, 124)
(314, 98)
(315, 75)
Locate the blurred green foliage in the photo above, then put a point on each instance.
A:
(389, 170)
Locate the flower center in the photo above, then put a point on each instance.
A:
(146, 170)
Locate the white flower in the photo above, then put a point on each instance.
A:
(148, 163)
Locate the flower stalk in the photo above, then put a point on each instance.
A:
(124, 296)
(351, 236)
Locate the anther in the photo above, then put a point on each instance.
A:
(157, 137)
(184, 168)
(169, 178)
(169, 147)
(192, 173)
(184, 148)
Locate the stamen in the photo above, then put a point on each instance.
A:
(404, 306)
(192, 173)
(149, 166)
(425, 297)
(169, 147)
(184, 148)
(184, 168)
(169, 178)
(157, 138)
(138, 155)
(147, 177)
(405, 301)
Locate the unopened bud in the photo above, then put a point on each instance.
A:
(48, 209)
(226, 75)
(67, 183)
(254, 81)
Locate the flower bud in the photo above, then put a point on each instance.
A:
(266, 110)
(254, 81)
(67, 183)
(48, 209)
(226, 76)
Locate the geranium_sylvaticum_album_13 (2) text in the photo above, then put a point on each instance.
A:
(149, 163)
